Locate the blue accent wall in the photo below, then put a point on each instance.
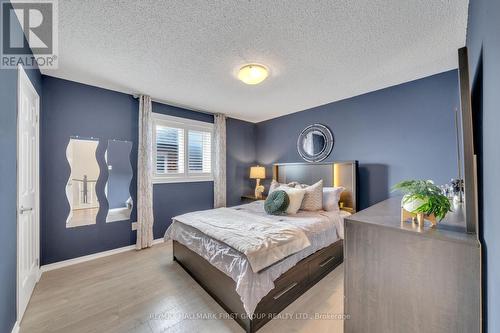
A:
(483, 42)
(8, 125)
(241, 155)
(74, 109)
(404, 131)
(8, 195)
(173, 199)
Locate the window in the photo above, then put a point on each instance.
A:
(169, 150)
(182, 149)
(199, 151)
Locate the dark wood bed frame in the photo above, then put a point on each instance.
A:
(297, 280)
(288, 287)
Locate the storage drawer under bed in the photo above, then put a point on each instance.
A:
(324, 260)
(288, 287)
(291, 284)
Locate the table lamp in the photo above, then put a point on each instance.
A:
(258, 173)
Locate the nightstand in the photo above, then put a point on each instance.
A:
(250, 197)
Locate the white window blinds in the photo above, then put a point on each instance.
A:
(182, 149)
(200, 151)
(169, 150)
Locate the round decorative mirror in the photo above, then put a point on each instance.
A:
(315, 143)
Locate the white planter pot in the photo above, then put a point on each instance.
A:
(412, 205)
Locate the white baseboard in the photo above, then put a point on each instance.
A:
(15, 329)
(158, 241)
(38, 274)
(69, 262)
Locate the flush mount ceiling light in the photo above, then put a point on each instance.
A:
(253, 74)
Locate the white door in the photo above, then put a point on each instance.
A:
(27, 190)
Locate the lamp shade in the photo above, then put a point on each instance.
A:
(257, 172)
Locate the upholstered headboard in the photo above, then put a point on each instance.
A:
(343, 174)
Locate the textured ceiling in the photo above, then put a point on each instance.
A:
(186, 53)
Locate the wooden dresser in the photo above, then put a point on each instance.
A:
(402, 279)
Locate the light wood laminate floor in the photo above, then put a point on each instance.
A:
(145, 291)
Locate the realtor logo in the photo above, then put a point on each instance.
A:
(29, 34)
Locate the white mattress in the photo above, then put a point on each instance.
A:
(322, 229)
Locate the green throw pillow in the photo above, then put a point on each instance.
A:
(276, 203)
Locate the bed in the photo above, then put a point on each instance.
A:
(254, 295)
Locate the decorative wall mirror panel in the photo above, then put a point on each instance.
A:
(80, 188)
(120, 175)
(315, 143)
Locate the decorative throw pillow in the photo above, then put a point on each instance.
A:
(313, 198)
(295, 195)
(274, 185)
(331, 198)
(276, 203)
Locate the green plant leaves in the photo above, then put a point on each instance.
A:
(436, 203)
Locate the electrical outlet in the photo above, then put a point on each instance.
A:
(134, 225)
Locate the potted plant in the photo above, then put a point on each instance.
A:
(423, 197)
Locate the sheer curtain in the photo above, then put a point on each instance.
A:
(220, 160)
(144, 175)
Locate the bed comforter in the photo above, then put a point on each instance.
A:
(321, 228)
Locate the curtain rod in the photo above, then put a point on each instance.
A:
(136, 96)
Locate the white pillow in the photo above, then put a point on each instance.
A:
(331, 198)
(296, 195)
(313, 199)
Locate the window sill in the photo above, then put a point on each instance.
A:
(182, 180)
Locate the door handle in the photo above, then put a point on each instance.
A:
(24, 209)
